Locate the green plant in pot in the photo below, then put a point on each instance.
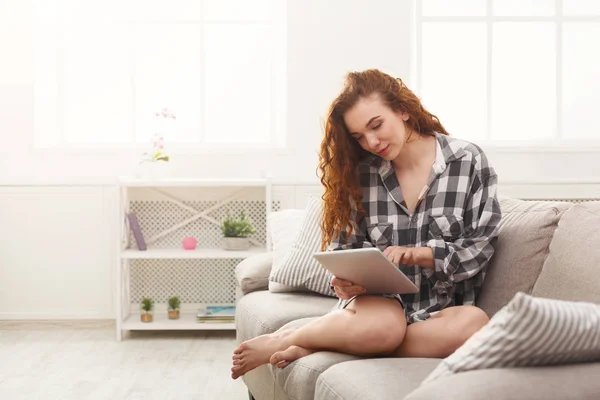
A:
(147, 307)
(174, 304)
(236, 231)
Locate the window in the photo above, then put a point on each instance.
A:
(511, 71)
(104, 68)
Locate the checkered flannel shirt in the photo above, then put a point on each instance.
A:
(458, 217)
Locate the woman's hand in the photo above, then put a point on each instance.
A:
(401, 255)
(421, 256)
(346, 289)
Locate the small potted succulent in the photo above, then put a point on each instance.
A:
(174, 305)
(147, 308)
(236, 232)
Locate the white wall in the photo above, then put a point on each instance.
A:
(57, 252)
(326, 39)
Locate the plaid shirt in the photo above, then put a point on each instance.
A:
(457, 216)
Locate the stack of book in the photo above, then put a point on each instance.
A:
(216, 314)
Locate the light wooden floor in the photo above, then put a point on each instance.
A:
(83, 360)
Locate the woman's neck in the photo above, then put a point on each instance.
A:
(418, 151)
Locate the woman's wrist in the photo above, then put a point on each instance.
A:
(424, 257)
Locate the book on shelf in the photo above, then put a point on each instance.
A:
(216, 314)
(215, 320)
(134, 225)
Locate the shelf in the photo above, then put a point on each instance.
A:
(157, 254)
(186, 321)
(190, 182)
(175, 201)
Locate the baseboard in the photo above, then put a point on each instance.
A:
(56, 324)
(23, 316)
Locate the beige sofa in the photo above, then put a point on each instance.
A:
(544, 249)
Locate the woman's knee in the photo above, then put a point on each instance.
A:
(476, 318)
(381, 338)
(380, 326)
(468, 321)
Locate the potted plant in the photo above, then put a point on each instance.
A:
(174, 304)
(236, 232)
(147, 307)
(155, 160)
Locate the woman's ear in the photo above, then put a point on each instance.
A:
(405, 116)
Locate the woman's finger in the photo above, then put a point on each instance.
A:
(354, 291)
(352, 288)
(340, 282)
(390, 256)
(402, 258)
(342, 295)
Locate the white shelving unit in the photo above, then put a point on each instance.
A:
(158, 254)
(172, 212)
(186, 321)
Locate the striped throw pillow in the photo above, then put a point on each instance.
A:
(300, 271)
(283, 228)
(529, 331)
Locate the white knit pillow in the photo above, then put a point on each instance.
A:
(300, 270)
(283, 228)
(529, 331)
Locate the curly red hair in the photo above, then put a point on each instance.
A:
(340, 153)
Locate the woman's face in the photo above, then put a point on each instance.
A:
(377, 128)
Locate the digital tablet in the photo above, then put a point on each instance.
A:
(367, 267)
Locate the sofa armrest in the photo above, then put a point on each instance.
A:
(573, 381)
(253, 273)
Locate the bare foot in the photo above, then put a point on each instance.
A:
(256, 352)
(282, 359)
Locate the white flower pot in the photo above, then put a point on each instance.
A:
(156, 170)
(236, 243)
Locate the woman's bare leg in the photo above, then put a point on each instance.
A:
(438, 337)
(442, 334)
(370, 325)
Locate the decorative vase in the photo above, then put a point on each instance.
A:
(146, 317)
(173, 314)
(189, 243)
(236, 243)
(155, 170)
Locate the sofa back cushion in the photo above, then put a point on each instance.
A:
(283, 229)
(526, 230)
(572, 268)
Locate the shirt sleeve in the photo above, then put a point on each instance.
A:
(466, 256)
(357, 240)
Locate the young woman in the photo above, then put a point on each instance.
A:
(394, 179)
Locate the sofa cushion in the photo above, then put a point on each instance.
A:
(529, 331)
(525, 233)
(263, 312)
(253, 272)
(541, 383)
(572, 269)
(283, 228)
(376, 379)
(298, 380)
